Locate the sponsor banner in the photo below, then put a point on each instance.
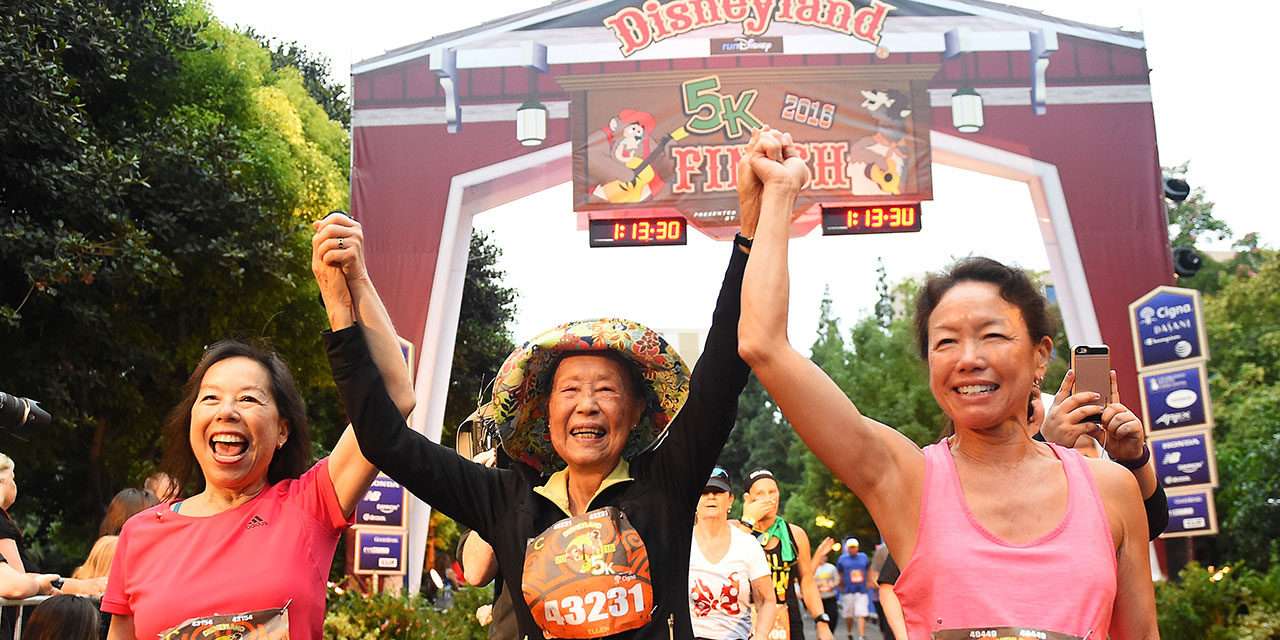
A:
(745, 45)
(1168, 327)
(1176, 399)
(380, 552)
(384, 505)
(669, 142)
(1191, 513)
(1185, 460)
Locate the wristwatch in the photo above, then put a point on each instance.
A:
(751, 524)
(823, 618)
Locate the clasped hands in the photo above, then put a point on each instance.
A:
(770, 168)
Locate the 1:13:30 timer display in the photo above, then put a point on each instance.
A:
(889, 218)
(638, 232)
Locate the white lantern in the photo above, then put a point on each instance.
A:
(966, 110)
(531, 123)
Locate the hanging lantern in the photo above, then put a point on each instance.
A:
(966, 110)
(531, 123)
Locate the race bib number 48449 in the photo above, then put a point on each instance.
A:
(588, 577)
(1000, 633)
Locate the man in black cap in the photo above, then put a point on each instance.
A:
(786, 546)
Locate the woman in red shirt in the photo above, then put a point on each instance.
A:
(998, 535)
(257, 540)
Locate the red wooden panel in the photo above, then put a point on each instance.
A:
(1128, 62)
(688, 64)
(483, 83)
(420, 82)
(993, 65)
(1062, 64)
(823, 61)
(653, 65)
(1092, 61)
(388, 84)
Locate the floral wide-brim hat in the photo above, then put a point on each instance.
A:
(521, 392)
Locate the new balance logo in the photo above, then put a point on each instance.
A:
(255, 522)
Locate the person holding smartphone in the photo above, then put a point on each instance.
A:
(1011, 524)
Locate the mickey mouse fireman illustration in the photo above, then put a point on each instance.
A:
(876, 162)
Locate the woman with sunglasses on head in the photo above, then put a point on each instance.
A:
(998, 535)
(728, 573)
(257, 537)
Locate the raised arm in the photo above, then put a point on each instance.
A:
(880, 465)
(337, 260)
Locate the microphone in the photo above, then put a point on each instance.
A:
(18, 412)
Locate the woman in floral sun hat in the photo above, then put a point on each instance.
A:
(612, 440)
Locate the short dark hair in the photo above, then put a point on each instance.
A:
(290, 461)
(63, 617)
(1015, 286)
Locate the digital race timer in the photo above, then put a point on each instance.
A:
(886, 218)
(638, 232)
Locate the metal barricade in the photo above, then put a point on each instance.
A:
(7, 605)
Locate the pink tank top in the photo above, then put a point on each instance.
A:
(964, 582)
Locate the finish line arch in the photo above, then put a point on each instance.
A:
(1067, 109)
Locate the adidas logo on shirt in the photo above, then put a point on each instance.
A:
(255, 522)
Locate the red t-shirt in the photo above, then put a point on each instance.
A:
(277, 547)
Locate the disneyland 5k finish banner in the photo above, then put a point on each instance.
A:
(672, 140)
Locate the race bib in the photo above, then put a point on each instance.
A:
(270, 624)
(1000, 633)
(588, 576)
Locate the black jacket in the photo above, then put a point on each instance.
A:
(501, 505)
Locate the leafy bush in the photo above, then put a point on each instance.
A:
(353, 616)
(1231, 603)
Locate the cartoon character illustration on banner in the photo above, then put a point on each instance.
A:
(877, 162)
(630, 139)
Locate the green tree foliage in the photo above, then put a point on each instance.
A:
(155, 188)
(314, 69)
(1243, 323)
(1227, 603)
(484, 335)
(353, 616)
(1192, 220)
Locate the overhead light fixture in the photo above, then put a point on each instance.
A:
(966, 110)
(531, 117)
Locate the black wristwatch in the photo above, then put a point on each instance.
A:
(1139, 462)
(823, 618)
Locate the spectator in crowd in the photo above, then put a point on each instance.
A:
(90, 578)
(260, 531)
(1065, 553)
(162, 486)
(892, 609)
(123, 506)
(63, 617)
(728, 574)
(16, 585)
(787, 548)
(855, 604)
(878, 558)
(827, 578)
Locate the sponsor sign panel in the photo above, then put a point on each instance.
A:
(1168, 327)
(1176, 399)
(669, 142)
(384, 505)
(380, 552)
(1185, 460)
(1191, 513)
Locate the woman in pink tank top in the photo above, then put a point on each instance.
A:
(999, 536)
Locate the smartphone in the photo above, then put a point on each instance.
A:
(1092, 365)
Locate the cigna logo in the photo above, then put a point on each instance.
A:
(637, 28)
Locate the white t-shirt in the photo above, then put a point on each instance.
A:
(720, 593)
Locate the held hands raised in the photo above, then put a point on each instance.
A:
(337, 257)
(1121, 432)
(771, 159)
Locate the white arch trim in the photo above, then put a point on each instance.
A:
(488, 187)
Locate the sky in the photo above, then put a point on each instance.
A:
(1210, 92)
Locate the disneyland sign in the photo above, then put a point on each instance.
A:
(638, 27)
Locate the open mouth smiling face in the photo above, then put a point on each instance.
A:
(235, 425)
(592, 410)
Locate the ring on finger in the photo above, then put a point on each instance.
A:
(340, 243)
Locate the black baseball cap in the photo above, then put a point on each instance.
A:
(759, 474)
(719, 480)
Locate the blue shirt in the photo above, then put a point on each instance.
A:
(853, 572)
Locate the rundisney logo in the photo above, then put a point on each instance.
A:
(637, 28)
(747, 44)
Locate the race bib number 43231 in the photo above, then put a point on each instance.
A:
(588, 576)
